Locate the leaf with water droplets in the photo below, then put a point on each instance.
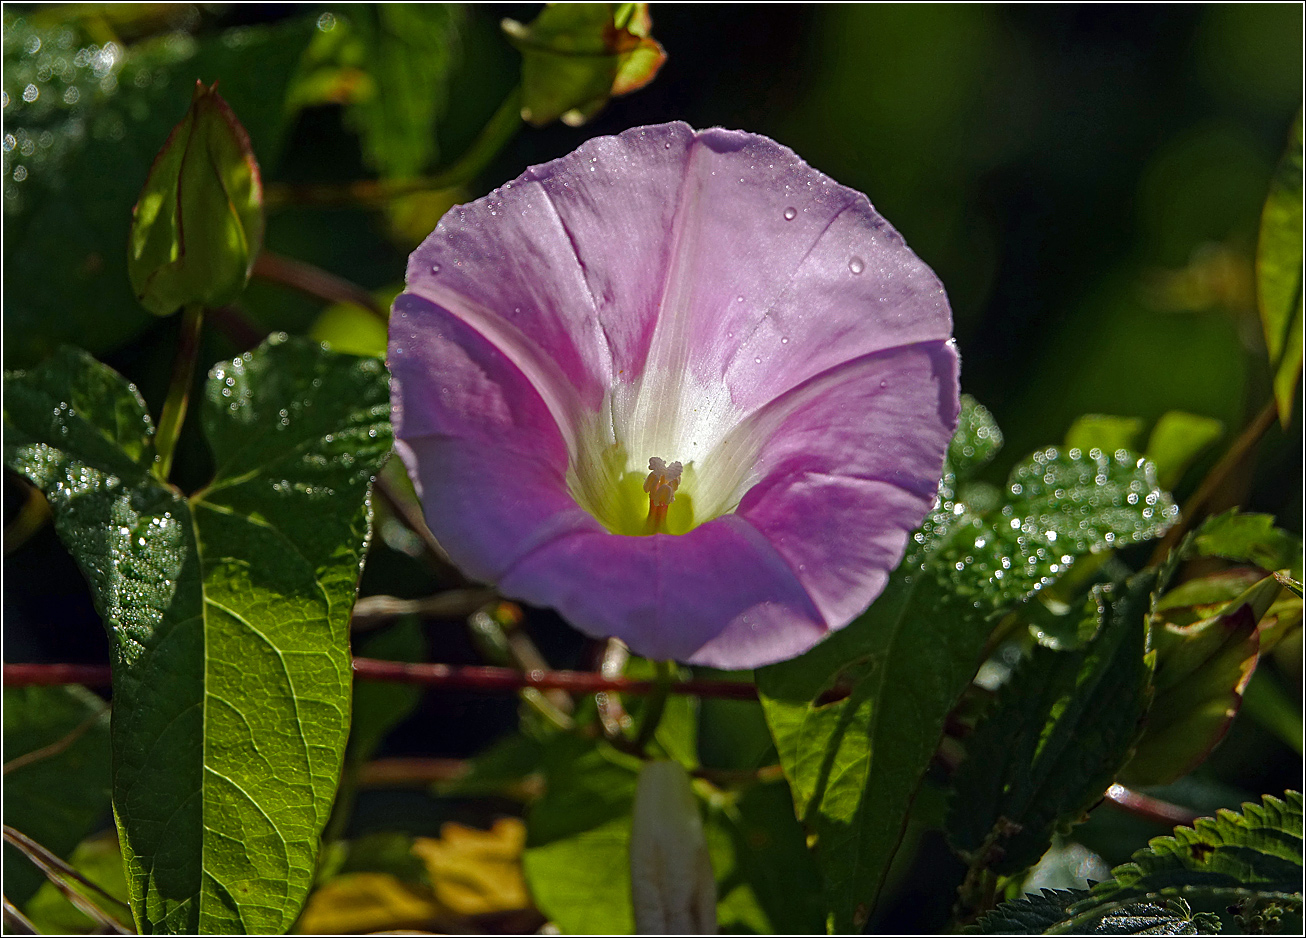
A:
(1061, 729)
(227, 612)
(908, 659)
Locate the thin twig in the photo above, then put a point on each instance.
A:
(16, 923)
(56, 870)
(314, 281)
(373, 611)
(1149, 808)
(1194, 508)
(58, 746)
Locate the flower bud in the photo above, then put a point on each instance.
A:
(198, 224)
(673, 890)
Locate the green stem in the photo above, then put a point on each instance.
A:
(657, 703)
(501, 127)
(183, 373)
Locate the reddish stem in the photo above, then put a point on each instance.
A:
(455, 677)
(1152, 809)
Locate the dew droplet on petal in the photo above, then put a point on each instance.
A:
(435, 268)
(740, 298)
(784, 340)
(856, 264)
(791, 213)
(884, 384)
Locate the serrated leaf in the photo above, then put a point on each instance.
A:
(1035, 915)
(1279, 272)
(59, 798)
(66, 226)
(1250, 538)
(976, 440)
(227, 612)
(1063, 726)
(1177, 439)
(908, 659)
(1253, 854)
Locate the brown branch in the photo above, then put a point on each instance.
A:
(1149, 808)
(16, 923)
(446, 676)
(316, 282)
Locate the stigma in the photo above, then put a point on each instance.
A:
(661, 485)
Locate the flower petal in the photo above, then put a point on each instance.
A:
(850, 466)
(673, 596)
(481, 446)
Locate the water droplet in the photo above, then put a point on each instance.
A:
(784, 340)
(666, 146)
(757, 360)
(856, 265)
(740, 298)
(791, 213)
(884, 384)
(31, 93)
(435, 268)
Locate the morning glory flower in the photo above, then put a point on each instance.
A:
(679, 386)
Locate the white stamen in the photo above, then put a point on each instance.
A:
(662, 482)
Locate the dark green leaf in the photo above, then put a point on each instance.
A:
(1250, 538)
(1176, 441)
(227, 612)
(1255, 854)
(908, 659)
(1063, 726)
(379, 706)
(1279, 272)
(66, 224)
(59, 798)
(1035, 915)
(408, 51)
(1099, 431)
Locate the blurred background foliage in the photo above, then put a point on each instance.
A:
(1087, 182)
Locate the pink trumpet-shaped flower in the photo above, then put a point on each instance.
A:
(679, 386)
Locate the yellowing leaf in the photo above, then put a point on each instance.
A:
(475, 872)
(366, 902)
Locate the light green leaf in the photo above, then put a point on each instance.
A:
(1250, 538)
(60, 797)
(1279, 272)
(1063, 726)
(1099, 431)
(227, 613)
(1176, 441)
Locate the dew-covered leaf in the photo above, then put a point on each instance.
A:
(906, 661)
(227, 612)
(1061, 729)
